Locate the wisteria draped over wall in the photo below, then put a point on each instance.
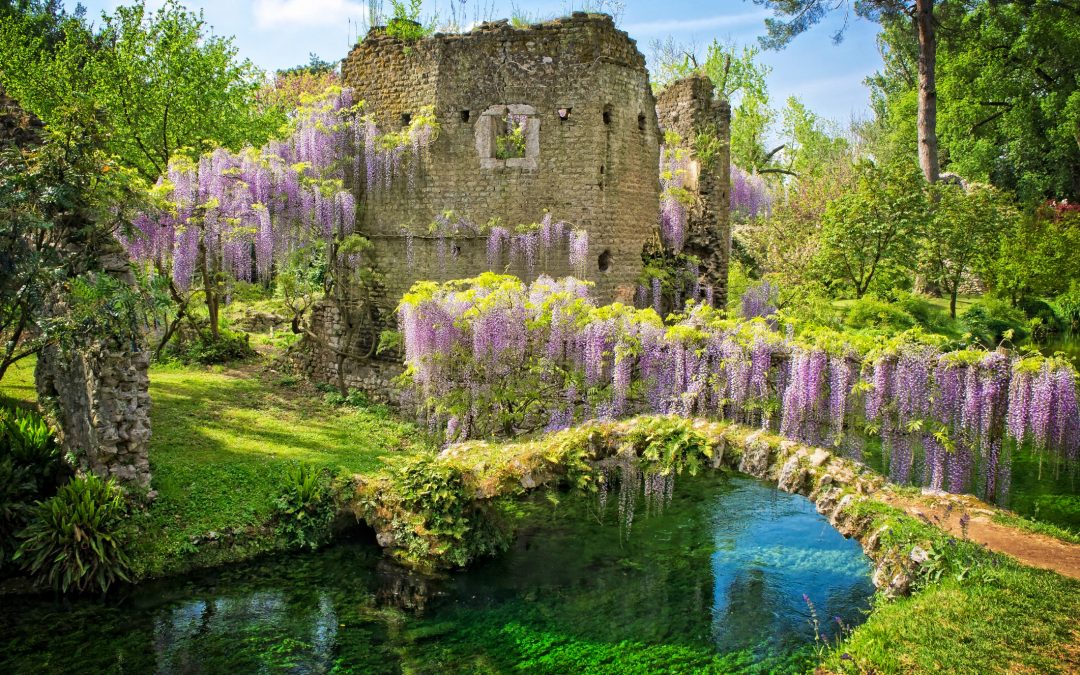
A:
(506, 246)
(492, 355)
(245, 210)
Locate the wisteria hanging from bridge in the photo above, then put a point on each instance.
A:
(492, 355)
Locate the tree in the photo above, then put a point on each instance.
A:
(61, 199)
(873, 228)
(161, 81)
(1036, 256)
(964, 232)
(793, 17)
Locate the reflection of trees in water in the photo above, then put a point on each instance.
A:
(247, 633)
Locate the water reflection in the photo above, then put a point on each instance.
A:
(721, 573)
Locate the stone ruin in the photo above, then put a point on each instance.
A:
(591, 158)
(97, 390)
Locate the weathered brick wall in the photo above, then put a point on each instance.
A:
(594, 171)
(593, 166)
(688, 107)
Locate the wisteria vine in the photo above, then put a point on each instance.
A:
(492, 355)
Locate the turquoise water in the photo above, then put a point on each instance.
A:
(713, 583)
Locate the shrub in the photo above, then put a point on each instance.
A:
(76, 539)
(990, 320)
(305, 508)
(30, 469)
(870, 313)
(230, 346)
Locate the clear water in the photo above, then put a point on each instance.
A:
(715, 582)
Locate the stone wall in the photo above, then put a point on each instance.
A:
(591, 160)
(595, 169)
(97, 390)
(689, 108)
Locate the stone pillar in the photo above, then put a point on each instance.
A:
(97, 389)
(688, 107)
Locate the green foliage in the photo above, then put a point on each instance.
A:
(76, 540)
(869, 234)
(31, 469)
(201, 348)
(306, 506)
(871, 313)
(452, 526)
(992, 320)
(667, 445)
(1008, 102)
(405, 23)
(511, 145)
(963, 234)
(1036, 255)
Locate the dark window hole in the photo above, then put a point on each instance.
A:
(641, 121)
(464, 115)
(604, 261)
(406, 118)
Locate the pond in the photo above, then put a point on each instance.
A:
(716, 580)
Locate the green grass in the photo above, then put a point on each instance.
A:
(221, 447)
(17, 387)
(1038, 527)
(986, 614)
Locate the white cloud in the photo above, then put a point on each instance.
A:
(690, 25)
(282, 13)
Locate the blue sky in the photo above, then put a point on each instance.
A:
(827, 77)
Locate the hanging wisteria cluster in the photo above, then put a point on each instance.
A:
(760, 299)
(493, 355)
(675, 199)
(506, 246)
(238, 213)
(750, 194)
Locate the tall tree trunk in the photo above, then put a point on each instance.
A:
(928, 141)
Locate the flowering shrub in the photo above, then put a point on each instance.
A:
(291, 195)
(492, 355)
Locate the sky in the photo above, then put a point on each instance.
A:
(826, 77)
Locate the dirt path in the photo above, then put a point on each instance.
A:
(1033, 549)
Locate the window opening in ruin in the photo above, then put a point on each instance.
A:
(564, 114)
(510, 139)
(464, 115)
(607, 114)
(604, 261)
(641, 121)
(406, 119)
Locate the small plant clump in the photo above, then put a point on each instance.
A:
(306, 506)
(77, 540)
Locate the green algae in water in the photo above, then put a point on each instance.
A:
(714, 583)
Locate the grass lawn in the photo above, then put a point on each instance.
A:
(222, 444)
(17, 387)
